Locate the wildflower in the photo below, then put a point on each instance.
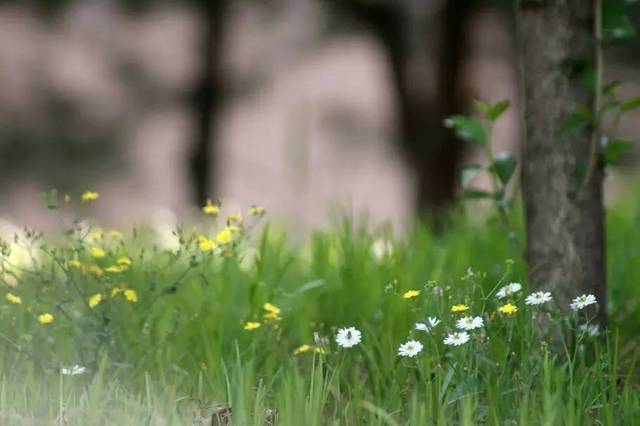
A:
(592, 330)
(348, 337)
(116, 291)
(45, 318)
(508, 309)
(73, 371)
(459, 308)
(115, 234)
(97, 252)
(508, 290)
(308, 348)
(271, 308)
(114, 269)
(95, 235)
(89, 196)
(272, 311)
(96, 270)
(411, 294)
(94, 300)
(381, 248)
(469, 323)
(255, 210)
(74, 263)
(210, 209)
(438, 291)
(538, 298)
(583, 301)
(251, 325)
(130, 295)
(234, 218)
(205, 244)
(410, 348)
(13, 298)
(224, 236)
(123, 261)
(457, 338)
(428, 325)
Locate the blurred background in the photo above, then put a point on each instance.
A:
(302, 106)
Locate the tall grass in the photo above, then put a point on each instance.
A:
(180, 354)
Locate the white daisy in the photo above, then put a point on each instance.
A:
(348, 337)
(592, 330)
(410, 348)
(457, 339)
(508, 290)
(583, 301)
(381, 248)
(469, 323)
(538, 298)
(74, 371)
(428, 325)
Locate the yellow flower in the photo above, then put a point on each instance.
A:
(114, 269)
(74, 263)
(205, 244)
(308, 348)
(96, 270)
(115, 234)
(271, 316)
(131, 295)
(459, 308)
(508, 309)
(45, 319)
(210, 209)
(234, 218)
(95, 235)
(256, 210)
(97, 252)
(115, 291)
(224, 236)
(123, 261)
(13, 298)
(271, 308)
(94, 300)
(411, 293)
(251, 325)
(89, 196)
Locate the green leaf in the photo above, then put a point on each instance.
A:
(578, 120)
(467, 128)
(482, 107)
(611, 88)
(630, 104)
(504, 166)
(614, 149)
(496, 110)
(469, 172)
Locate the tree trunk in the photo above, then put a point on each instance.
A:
(432, 152)
(563, 204)
(206, 98)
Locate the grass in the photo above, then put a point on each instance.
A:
(180, 353)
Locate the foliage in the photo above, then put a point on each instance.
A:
(181, 350)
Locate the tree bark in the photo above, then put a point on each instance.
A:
(564, 210)
(206, 99)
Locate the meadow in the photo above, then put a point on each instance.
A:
(231, 321)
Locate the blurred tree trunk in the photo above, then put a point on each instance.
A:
(563, 204)
(432, 152)
(206, 99)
